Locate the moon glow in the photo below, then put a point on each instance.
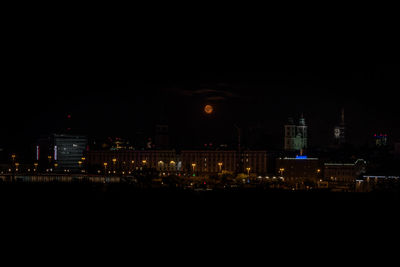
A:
(208, 109)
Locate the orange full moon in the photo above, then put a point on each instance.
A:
(208, 109)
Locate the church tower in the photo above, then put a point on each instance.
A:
(296, 135)
(290, 134)
(339, 133)
(302, 134)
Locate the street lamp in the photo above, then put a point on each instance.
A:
(248, 171)
(16, 166)
(36, 166)
(114, 160)
(220, 166)
(281, 170)
(132, 163)
(105, 168)
(194, 166)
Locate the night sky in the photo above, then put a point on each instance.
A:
(36, 101)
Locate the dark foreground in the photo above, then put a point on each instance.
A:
(110, 216)
(129, 200)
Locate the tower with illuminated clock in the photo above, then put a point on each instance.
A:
(339, 132)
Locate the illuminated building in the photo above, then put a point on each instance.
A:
(65, 150)
(380, 140)
(343, 176)
(68, 150)
(339, 132)
(299, 169)
(384, 183)
(214, 161)
(198, 162)
(203, 162)
(255, 160)
(296, 135)
(131, 160)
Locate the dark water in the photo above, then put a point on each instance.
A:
(126, 199)
(114, 217)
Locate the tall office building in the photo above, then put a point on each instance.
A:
(296, 135)
(69, 150)
(65, 150)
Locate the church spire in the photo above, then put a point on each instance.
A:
(302, 121)
(342, 116)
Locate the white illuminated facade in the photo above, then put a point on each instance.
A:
(296, 135)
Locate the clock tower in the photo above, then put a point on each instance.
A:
(339, 132)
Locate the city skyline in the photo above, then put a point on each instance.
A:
(259, 100)
(315, 131)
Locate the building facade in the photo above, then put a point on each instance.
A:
(344, 175)
(188, 162)
(69, 150)
(212, 162)
(296, 135)
(255, 162)
(380, 140)
(131, 160)
(205, 162)
(299, 169)
(379, 183)
(60, 152)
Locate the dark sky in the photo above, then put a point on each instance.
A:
(121, 103)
